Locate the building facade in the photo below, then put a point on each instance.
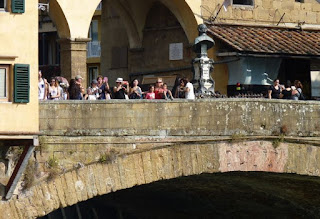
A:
(270, 39)
(19, 68)
(156, 38)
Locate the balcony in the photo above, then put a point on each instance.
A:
(93, 49)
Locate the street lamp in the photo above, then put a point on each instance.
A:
(202, 64)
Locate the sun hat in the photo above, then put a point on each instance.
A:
(119, 80)
(78, 77)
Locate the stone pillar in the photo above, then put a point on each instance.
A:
(73, 56)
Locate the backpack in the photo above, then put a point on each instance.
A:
(301, 96)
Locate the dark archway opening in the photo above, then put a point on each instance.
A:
(222, 195)
(296, 69)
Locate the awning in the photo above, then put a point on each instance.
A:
(268, 40)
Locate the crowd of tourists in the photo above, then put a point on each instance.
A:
(288, 91)
(56, 89)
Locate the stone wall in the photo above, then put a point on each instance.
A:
(180, 117)
(266, 12)
(143, 164)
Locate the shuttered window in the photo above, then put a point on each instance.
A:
(21, 83)
(4, 82)
(17, 6)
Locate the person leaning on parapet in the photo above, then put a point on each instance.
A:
(54, 91)
(274, 91)
(135, 91)
(93, 90)
(150, 95)
(42, 87)
(167, 93)
(74, 91)
(287, 91)
(158, 89)
(104, 89)
(120, 91)
(298, 95)
(78, 79)
(188, 89)
(179, 93)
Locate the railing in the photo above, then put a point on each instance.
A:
(180, 117)
(93, 49)
(99, 6)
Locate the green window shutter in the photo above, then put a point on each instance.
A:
(21, 83)
(17, 6)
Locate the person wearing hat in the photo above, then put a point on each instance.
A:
(78, 79)
(93, 91)
(120, 90)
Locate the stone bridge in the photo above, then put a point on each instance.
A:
(89, 149)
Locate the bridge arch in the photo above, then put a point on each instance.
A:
(163, 163)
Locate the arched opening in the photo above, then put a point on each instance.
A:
(114, 42)
(158, 46)
(94, 46)
(220, 195)
(63, 37)
(122, 36)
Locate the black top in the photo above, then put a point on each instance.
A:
(120, 94)
(103, 92)
(75, 92)
(275, 94)
(287, 94)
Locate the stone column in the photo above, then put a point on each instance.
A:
(73, 56)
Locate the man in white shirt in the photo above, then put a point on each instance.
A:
(42, 87)
(189, 91)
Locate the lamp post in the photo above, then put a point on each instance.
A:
(202, 64)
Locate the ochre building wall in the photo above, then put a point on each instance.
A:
(19, 38)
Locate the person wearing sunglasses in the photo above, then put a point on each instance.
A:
(54, 91)
(158, 89)
(120, 90)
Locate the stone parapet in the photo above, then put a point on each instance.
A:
(180, 117)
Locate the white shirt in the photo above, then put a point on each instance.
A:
(41, 89)
(190, 95)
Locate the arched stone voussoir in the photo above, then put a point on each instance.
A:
(126, 171)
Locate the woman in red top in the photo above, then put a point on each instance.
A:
(158, 89)
(150, 94)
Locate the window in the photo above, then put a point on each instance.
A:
(21, 83)
(4, 82)
(242, 2)
(93, 73)
(2, 4)
(93, 34)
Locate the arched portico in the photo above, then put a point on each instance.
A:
(73, 20)
(134, 15)
(170, 162)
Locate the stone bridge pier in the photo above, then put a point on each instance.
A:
(90, 149)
